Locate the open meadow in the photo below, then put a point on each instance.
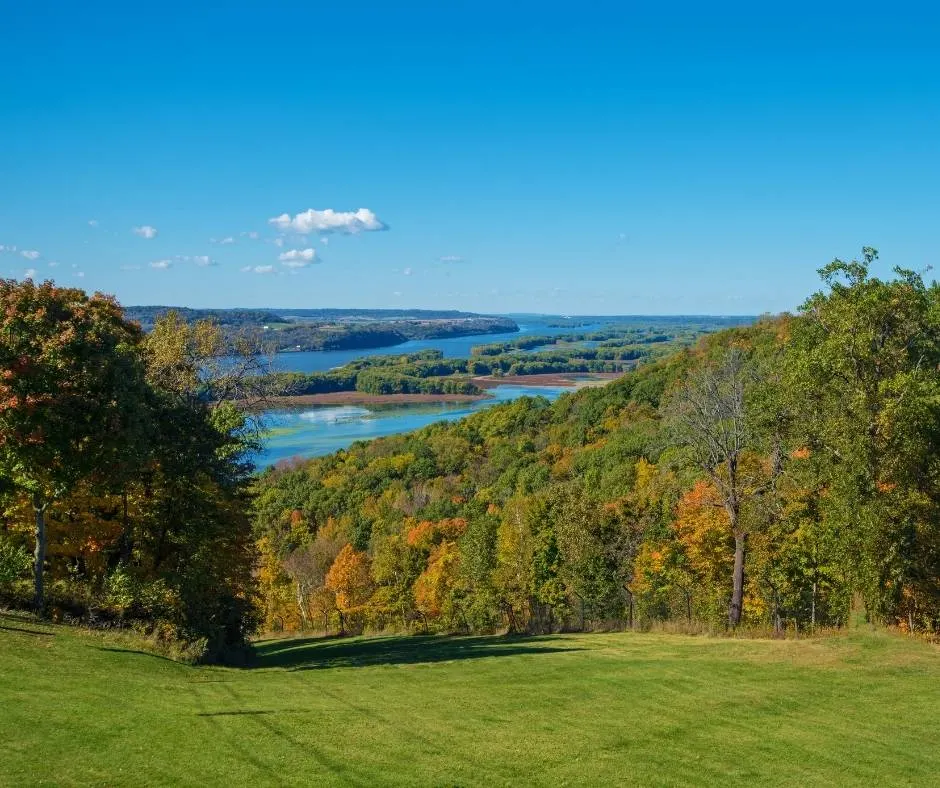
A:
(628, 709)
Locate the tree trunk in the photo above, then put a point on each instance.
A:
(737, 590)
(127, 541)
(301, 606)
(39, 555)
(812, 610)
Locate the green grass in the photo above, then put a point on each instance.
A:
(858, 709)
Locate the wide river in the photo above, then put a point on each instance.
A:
(452, 347)
(312, 431)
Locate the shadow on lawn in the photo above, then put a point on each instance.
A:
(321, 653)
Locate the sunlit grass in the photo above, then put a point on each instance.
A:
(858, 709)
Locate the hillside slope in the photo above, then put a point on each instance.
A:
(625, 709)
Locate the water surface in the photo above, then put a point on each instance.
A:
(451, 347)
(313, 431)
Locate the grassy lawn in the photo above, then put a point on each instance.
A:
(859, 709)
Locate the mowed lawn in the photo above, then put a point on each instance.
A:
(626, 709)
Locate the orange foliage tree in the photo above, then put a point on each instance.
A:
(350, 580)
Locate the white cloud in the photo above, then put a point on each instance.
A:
(329, 221)
(278, 242)
(53, 263)
(298, 258)
(451, 258)
(92, 222)
(407, 272)
(259, 269)
(145, 231)
(161, 265)
(130, 267)
(397, 293)
(223, 241)
(325, 241)
(30, 254)
(7, 248)
(29, 273)
(80, 274)
(252, 234)
(203, 260)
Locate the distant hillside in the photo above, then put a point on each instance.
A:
(336, 329)
(148, 315)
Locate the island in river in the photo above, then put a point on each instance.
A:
(553, 380)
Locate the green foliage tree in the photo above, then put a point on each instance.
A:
(862, 364)
(71, 394)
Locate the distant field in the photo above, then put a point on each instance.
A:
(859, 709)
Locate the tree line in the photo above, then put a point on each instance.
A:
(778, 476)
(124, 469)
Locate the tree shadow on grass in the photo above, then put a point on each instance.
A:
(324, 653)
(25, 631)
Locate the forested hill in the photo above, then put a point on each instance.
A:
(776, 475)
(147, 315)
(768, 477)
(332, 329)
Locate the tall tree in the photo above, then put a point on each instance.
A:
(708, 419)
(862, 363)
(71, 389)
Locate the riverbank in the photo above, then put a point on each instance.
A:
(362, 398)
(550, 380)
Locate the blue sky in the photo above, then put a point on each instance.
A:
(589, 158)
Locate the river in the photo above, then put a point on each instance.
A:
(312, 431)
(451, 347)
(315, 431)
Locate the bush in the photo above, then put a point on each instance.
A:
(15, 562)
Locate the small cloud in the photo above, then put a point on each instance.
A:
(252, 234)
(259, 269)
(130, 267)
(224, 241)
(298, 258)
(92, 222)
(397, 293)
(203, 260)
(451, 258)
(145, 231)
(7, 248)
(30, 254)
(53, 264)
(329, 221)
(278, 242)
(325, 241)
(407, 272)
(80, 274)
(29, 273)
(161, 265)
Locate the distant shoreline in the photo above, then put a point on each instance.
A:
(362, 398)
(549, 380)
